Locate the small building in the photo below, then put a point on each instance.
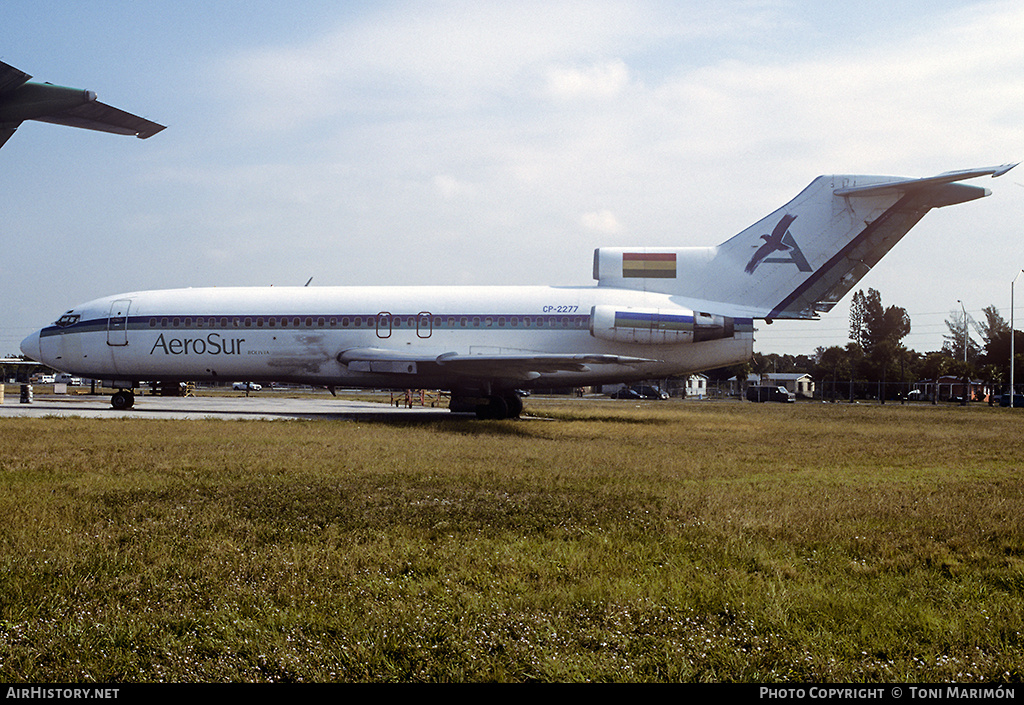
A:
(801, 384)
(738, 387)
(951, 388)
(696, 386)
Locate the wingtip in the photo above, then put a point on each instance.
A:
(1000, 170)
(149, 131)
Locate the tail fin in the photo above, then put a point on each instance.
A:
(805, 256)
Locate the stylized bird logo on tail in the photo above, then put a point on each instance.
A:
(772, 243)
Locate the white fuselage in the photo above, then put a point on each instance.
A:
(302, 334)
(655, 312)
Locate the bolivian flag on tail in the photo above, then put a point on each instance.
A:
(649, 265)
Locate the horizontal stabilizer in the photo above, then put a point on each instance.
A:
(903, 185)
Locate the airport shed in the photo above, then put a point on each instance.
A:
(801, 384)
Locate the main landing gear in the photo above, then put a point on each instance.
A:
(123, 399)
(506, 405)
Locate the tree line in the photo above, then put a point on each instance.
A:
(877, 364)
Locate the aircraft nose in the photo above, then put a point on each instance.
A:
(30, 347)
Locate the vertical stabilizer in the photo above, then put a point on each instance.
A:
(802, 258)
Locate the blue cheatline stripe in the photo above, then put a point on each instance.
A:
(368, 322)
(334, 321)
(663, 321)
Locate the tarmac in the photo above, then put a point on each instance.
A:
(260, 405)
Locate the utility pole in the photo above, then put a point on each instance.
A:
(1012, 397)
(967, 375)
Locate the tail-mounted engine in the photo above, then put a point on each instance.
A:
(658, 326)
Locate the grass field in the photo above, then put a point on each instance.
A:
(605, 541)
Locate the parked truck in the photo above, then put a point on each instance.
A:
(769, 393)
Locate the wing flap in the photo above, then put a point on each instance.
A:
(505, 367)
(529, 366)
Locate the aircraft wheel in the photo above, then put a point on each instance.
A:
(122, 400)
(515, 406)
(495, 408)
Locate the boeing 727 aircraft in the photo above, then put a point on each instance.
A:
(654, 312)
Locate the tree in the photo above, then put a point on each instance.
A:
(855, 360)
(878, 330)
(994, 326)
(872, 325)
(959, 336)
(995, 332)
(934, 366)
(858, 330)
(834, 363)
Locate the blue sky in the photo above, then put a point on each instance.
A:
(498, 143)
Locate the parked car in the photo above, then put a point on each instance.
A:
(625, 393)
(639, 391)
(243, 386)
(648, 392)
(765, 393)
(1018, 400)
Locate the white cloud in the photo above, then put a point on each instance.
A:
(687, 148)
(605, 79)
(449, 187)
(603, 221)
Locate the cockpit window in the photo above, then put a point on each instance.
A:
(68, 319)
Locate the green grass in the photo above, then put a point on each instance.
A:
(670, 542)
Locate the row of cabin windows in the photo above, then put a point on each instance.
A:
(380, 321)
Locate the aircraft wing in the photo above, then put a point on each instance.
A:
(504, 367)
(5, 134)
(21, 100)
(10, 79)
(528, 367)
(105, 118)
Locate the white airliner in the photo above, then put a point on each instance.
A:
(654, 312)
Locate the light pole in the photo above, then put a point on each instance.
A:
(1012, 398)
(965, 327)
(967, 376)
